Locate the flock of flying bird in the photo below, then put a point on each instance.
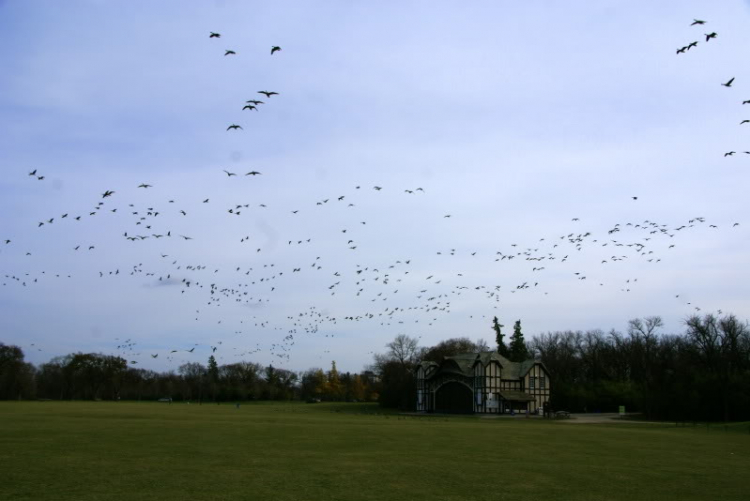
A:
(727, 84)
(395, 294)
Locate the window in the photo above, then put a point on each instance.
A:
(541, 382)
(531, 382)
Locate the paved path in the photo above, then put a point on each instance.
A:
(604, 418)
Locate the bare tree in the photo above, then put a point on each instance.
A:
(482, 345)
(646, 327)
(403, 349)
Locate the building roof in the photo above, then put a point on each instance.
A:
(463, 364)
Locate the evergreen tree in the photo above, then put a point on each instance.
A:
(213, 375)
(334, 383)
(320, 383)
(501, 348)
(518, 350)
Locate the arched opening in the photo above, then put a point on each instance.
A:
(454, 397)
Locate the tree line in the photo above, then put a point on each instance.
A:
(95, 376)
(701, 374)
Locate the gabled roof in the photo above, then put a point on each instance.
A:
(511, 370)
(464, 363)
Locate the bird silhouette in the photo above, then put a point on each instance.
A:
(253, 173)
(697, 21)
(230, 52)
(728, 83)
(709, 36)
(214, 35)
(267, 93)
(234, 127)
(249, 107)
(275, 48)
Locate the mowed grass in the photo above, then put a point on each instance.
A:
(118, 450)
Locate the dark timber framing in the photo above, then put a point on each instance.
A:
(497, 385)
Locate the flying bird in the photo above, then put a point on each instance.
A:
(235, 127)
(33, 172)
(254, 101)
(268, 94)
(144, 185)
(744, 122)
(249, 107)
(230, 52)
(229, 174)
(729, 153)
(214, 35)
(709, 36)
(697, 21)
(275, 48)
(253, 173)
(107, 193)
(729, 82)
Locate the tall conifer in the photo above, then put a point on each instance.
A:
(518, 350)
(501, 348)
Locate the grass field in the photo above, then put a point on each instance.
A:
(107, 450)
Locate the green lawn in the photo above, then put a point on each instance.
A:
(106, 450)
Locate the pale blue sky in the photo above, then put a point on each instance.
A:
(514, 117)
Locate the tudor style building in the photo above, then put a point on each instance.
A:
(485, 383)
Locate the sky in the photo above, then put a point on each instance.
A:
(425, 166)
